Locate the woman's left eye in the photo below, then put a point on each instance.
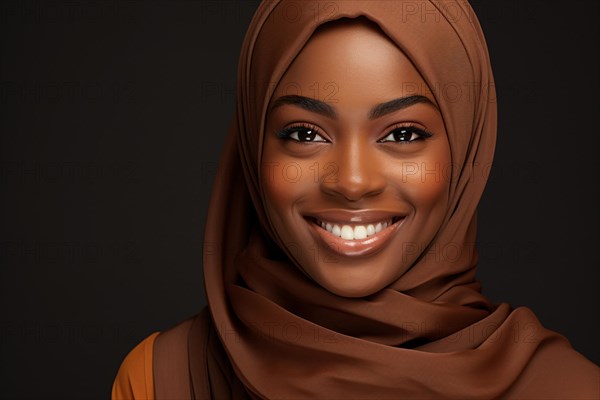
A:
(406, 134)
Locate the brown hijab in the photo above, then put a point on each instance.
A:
(276, 334)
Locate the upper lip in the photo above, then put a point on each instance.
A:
(341, 216)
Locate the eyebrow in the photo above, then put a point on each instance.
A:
(320, 107)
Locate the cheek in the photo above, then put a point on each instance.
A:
(425, 182)
(285, 182)
(275, 188)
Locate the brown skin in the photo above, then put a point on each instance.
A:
(354, 169)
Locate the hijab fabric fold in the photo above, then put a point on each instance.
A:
(431, 334)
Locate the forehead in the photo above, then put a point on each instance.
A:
(351, 62)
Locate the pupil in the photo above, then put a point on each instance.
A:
(402, 135)
(307, 135)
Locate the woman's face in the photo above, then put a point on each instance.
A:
(355, 160)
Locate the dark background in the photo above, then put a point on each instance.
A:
(113, 116)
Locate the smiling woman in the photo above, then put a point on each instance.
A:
(360, 213)
(339, 250)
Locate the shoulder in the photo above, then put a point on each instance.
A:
(558, 371)
(139, 370)
(174, 369)
(134, 379)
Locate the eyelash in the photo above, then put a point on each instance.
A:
(421, 133)
(287, 132)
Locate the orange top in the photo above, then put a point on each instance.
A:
(134, 379)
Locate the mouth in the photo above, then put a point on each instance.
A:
(353, 231)
(357, 235)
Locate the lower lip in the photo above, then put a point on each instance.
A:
(355, 248)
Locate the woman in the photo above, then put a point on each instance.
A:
(339, 249)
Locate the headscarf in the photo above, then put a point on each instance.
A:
(431, 333)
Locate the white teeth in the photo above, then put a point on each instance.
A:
(337, 231)
(348, 232)
(370, 230)
(360, 232)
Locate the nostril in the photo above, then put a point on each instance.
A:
(352, 192)
(354, 180)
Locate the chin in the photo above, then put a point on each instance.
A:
(352, 286)
(354, 292)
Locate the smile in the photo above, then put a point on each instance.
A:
(354, 234)
(352, 231)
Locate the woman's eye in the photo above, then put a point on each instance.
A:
(406, 134)
(301, 134)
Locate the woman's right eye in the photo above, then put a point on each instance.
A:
(301, 134)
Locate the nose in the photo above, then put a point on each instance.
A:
(354, 171)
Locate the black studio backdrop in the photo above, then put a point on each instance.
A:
(113, 117)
